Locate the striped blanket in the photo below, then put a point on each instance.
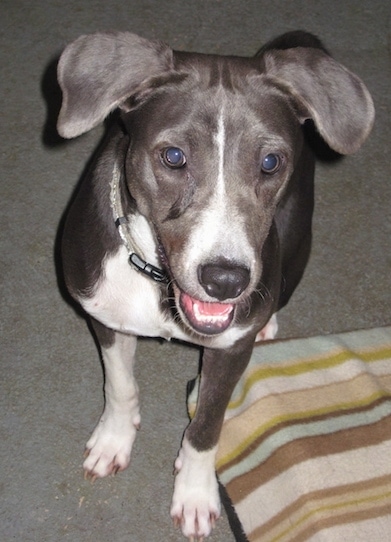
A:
(305, 451)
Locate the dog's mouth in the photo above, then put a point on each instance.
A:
(205, 317)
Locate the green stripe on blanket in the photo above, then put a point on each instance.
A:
(305, 451)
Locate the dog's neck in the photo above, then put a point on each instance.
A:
(136, 256)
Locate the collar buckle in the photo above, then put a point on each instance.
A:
(154, 273)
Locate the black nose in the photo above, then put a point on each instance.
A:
(223, 281)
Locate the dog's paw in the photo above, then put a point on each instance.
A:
(109, 448)
(269, 331)
(196, 502)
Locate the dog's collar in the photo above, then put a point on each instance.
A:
(121, 222)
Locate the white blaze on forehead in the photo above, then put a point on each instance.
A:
(219, 139)
(209, 229)
(215, 235)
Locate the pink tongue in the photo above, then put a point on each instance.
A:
(214, 309)
(205, 308)
(206, 318)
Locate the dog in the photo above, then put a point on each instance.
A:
(194, 219)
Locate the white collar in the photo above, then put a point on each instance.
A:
(122, 224)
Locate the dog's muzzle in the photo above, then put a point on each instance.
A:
(223, 282)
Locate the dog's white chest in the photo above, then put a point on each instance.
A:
(127, 301)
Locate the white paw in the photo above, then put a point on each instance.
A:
(268, 332)
(109, 448)
(196, 502)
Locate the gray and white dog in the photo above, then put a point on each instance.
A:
(194, 221)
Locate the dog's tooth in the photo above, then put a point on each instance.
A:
(208, 318)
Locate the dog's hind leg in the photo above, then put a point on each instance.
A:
(269, 331)
(109, 448)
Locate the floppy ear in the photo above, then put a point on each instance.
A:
(98, 72)
(333, 97)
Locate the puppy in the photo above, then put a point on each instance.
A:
(194, 221)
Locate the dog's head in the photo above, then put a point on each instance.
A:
(213, 143)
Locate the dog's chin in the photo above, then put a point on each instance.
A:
(206, 318)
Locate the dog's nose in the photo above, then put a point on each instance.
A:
(223, 281)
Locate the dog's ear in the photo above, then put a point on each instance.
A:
(333, 97)
(98, 72)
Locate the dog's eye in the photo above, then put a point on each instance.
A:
(173, 157)
(271, 163)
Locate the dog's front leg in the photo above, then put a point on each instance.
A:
(196, 502)
(109, 448)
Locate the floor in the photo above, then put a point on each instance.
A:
(51, 385)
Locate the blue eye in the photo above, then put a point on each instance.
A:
(271, 163)
(174, 157)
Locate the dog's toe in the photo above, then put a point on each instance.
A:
(196, 502)
(104, 460)
(196, 519)
(109, 448)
